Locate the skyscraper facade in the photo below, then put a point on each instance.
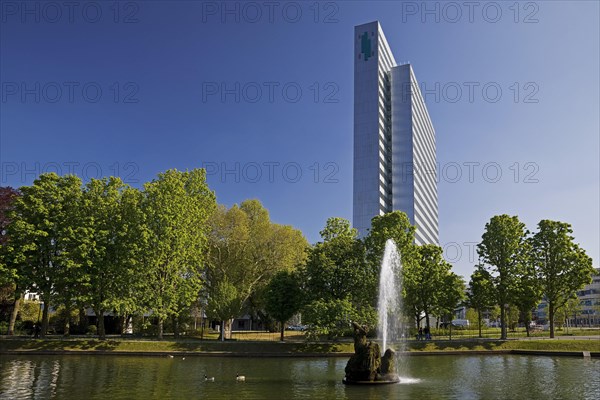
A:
(394, 139)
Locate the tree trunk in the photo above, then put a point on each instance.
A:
(13, 315)
(67, 322)
(479, 322)
(45, 318)
(176, 327)
(160, 329)
(551, 318)
(123, 324)
(222, 330)
(427, 318)
(502, 322)
(83, 321)
(282, 329)
(229, 329)
(100, 319)
(450, 335)
(127, 320)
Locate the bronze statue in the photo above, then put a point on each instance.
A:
(367, 365)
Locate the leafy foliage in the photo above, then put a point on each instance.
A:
(43, 236)
(421, 281)
(247, 250)
(481, 296)
(562, 266)
(283, 297)
(176, 207)
(502, 249)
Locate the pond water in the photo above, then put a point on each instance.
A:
(423, 377)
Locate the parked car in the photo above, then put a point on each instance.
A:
(296, 328)
(460, 323)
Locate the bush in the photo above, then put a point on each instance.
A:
(92, 330)
(332, 318)
(59, 317)
(3, 327)
(29, 311)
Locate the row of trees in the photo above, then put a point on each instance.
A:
(339, 280)
(169, 247)
(518, 268)
(158, 251)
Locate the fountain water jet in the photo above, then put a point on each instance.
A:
(368, 366)
(389, 304)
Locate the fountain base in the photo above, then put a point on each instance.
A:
(383, 380)
(367, 366)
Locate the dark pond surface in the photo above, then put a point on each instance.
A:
(424, 377)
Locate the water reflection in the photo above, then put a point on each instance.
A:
(425, 377)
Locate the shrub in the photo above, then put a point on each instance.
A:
(92, 330)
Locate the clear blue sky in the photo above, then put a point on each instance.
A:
(168, 100)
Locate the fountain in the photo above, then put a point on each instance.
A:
(388, 305)
(367, 366)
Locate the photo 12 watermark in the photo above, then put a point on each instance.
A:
(271, 12)
(454, 12)
(69, 12)
(272, 172)
(23, 172)
(269, 92)
(472, 171)
(473, 91)
(70, 92)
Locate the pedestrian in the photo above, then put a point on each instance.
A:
(420, 335)
(427, 333)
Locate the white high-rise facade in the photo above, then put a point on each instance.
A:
(394, 140)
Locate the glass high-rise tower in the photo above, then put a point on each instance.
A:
(394, 140)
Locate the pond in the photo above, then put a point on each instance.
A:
(423, 377)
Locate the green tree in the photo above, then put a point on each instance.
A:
(283, 298)
(473, 317)
(339, 284)
(512, 317)
(29, 311)
(43, 233)
(336, 268)
(501, 248)
(176, 207)
(223, 304)
(527, 293)
(393, 225)
(246, 250)
(421, 279)
(562, 266)
(452, 292)
(480, 295)
(570, 310)
(330, 317)
(10, 274)
(110, 217)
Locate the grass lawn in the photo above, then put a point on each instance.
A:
(543, 345)
(494, 333)
(188, 345)
(255, 347)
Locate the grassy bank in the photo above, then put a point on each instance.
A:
(538, 345)
(209, 346)
(494, 333)
(292, 348)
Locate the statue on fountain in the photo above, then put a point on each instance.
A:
(367, 366)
